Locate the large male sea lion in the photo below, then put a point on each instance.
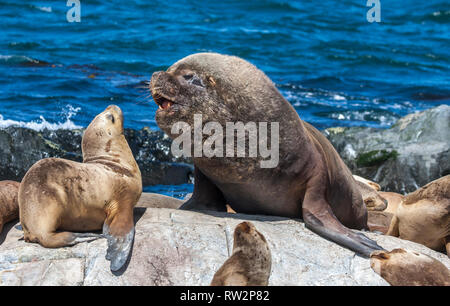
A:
(310, 179)
(58, 197)
(250, 263)
(9, 206)
(424, 216)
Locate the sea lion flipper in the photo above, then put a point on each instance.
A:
(119, 246)
(206, 195)
(319, 218)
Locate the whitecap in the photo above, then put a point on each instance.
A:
(43, 124)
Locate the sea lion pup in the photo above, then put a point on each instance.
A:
(370, 193)
(424, 216)
(250, 263)
(58, 197)
(9, 206)
(310, 180)
(401, 267)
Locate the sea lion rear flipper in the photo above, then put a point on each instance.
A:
(120, 239)
(319, 218)
(206, 195)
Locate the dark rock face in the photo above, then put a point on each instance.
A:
(410, 154)
(20, 148)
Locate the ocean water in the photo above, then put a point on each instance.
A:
(335, 67)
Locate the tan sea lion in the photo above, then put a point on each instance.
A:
(9, 206)
(379, 221)
(367, 182)
(424, 216)
(401, 267)
(309, 180)
(58, 197)
(393, 199)
(250, 263)
(156, 200)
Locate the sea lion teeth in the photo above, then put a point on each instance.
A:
(59, 197)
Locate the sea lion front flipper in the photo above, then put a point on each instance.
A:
(120, 236)
(319, 218)
(206, 195)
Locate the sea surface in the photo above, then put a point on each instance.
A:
(335, 67)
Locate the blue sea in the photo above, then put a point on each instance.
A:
(335, 67)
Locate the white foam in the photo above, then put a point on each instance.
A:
(43, 124)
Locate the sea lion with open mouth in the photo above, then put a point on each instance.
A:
(310, 180)
(59, 197)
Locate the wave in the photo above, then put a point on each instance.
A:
(43, 124)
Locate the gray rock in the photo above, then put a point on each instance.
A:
(20, 148)
(174, 247)
(410, 154)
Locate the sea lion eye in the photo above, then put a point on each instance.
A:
(187, 77)
(193, 79)
(196, 81)
(111, 117)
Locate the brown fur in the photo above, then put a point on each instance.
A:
(250, 263)
(310, 181)
(406, 268)
(154, 200)
(393, 199)
(9, 205)
(59, 196)
(424, 215)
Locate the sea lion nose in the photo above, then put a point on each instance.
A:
(162, 81)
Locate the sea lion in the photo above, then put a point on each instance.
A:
(156, 200)
(393, 199)
(424, 216)
(367, 182)
(251, 261)
(58, 196)
(401, 267)
(379, 221)
(310, 180)
(9, 206)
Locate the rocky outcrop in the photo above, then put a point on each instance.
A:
(20, 148)
(410, 154)
(413, 152)
(174, 247)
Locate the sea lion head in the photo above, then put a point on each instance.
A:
(104, 134)
(245, 235)
(401, 267)
(220, 87)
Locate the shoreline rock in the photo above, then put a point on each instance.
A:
(20, 148)
(174, 247)
(410, 154)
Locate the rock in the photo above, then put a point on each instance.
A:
(174, 247)
(20, 148)
(410, 154)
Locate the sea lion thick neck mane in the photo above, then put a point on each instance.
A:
(310, 181)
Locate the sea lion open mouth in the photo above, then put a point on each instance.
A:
(162, 101)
